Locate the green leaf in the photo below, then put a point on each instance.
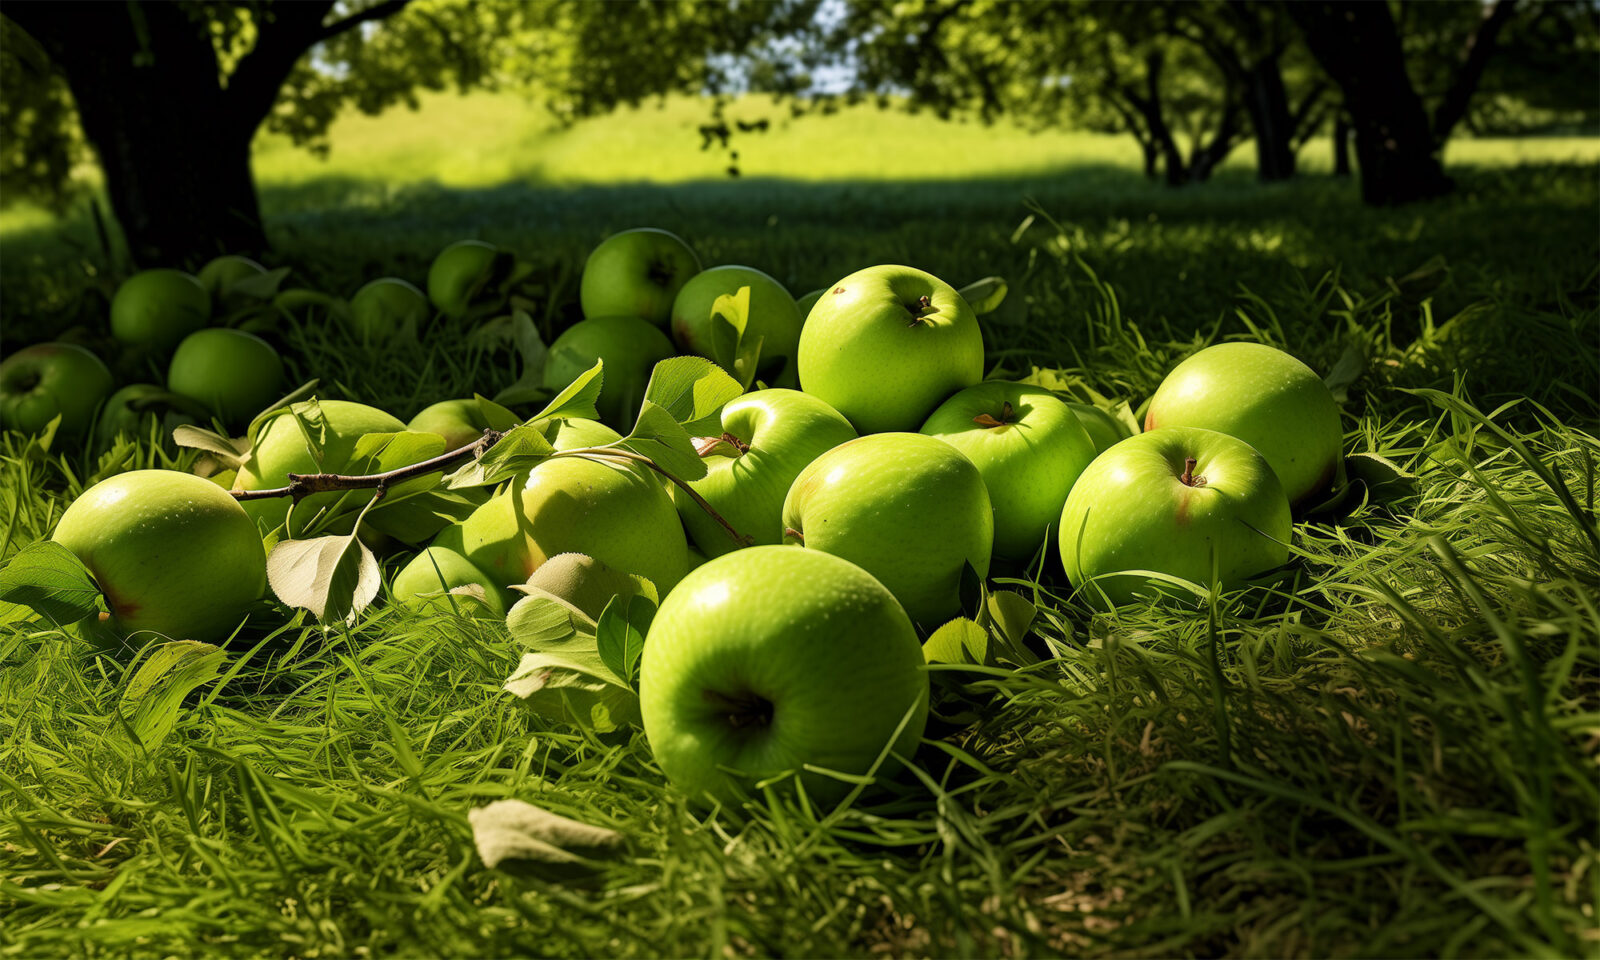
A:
(1008, 615)
(515, 833)
(1385, 480)
(730, 316)
(496, 416)
(985, 296)
(417, 519)
(577, 398)
(333, 577)
(564, 677)
(1419, 283)
(382, 452)
(1351, 365)
(530, 383)
(260, 286)
(748, 360)
(661, 438)
(959, 641)
(620, 633)
(520, 450)
(157, 690)
(693, 390)
(233, 453)
(52, 581)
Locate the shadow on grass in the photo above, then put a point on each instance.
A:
(1181, 255)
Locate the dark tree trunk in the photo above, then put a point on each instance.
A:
(1267, 102)
(1341, 145)
(177, 165)
(173, 143)
(1152, 159)
(1206, 157)
(1357, 44)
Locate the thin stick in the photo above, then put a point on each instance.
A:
(302, 485)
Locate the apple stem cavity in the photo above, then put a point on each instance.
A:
(726, 445)
(743, 710)
(1188, 478)
(990, 421)
(922, 305)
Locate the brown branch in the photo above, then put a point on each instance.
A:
(302, 485)
(376, 12)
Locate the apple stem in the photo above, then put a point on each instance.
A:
(990, 421)
(1188, 478)
(706, 446)
(792, 532)
(923, 303)
(302, 485)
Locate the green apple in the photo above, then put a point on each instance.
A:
(281, 448)
(631, 347)
(610, 512)
(128, 412)
(636, 273)
(1266, 398)
(1174, 500)
(441, 579)
(386, 306)
(1104, 430)
(808, 301)
(584, 582)
(47, 380)
(768, 437)
(222, 273)
(773, 316)
(158, 308)
(234, 374)
(887, 344)
(908, 509)
(172, 553)
(1029, 448)
(771, 660)
(462, 271)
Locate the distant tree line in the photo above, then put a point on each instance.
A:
(169, 95)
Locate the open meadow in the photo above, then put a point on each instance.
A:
(1388, 749)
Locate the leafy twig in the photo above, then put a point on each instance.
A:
(302, 485)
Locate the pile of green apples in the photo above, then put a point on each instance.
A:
(866, 472)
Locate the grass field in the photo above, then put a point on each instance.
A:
(1389, 751)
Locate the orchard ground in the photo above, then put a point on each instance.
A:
(1390, 751)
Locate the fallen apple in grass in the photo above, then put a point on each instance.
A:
(768, 437)
(172, 553)
(462, 271)
(887, 344)
(772, 316)
(157, 308)
(1028, 446)
(614, 513)
(221, 274)
(47, 380)
(908, 509)
(636, 273)
(233, 374)
(128, 411)
(386, 306)
(630, 346)
(1266, 398)
(771, 659)
(440, 579)
(1180, 501)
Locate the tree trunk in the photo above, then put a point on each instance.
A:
(176, 159)
(1358, 46)
(1152, 158)
(1267, 103)
(1341, 145)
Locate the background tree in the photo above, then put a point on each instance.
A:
(1398, 136)
(169, 95)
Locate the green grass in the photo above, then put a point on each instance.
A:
(1388, 751)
